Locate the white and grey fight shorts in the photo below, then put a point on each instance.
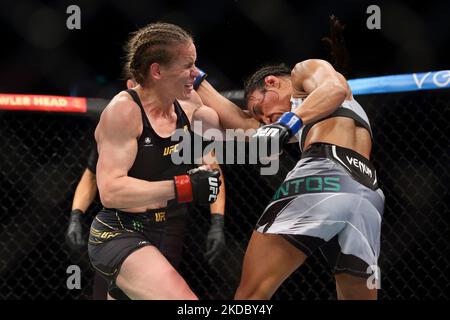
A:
(330, 201)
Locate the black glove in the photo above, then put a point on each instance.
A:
(199, 186)
(74, 235)
(215, 240)
(278, 131)
(282, 130)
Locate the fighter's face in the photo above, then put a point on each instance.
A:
(269, 104)
(181, 72)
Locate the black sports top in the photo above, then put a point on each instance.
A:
(153, 159)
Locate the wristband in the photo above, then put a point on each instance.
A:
(217, 218)
(75, 212)
(183, 188)
(76, 215)
(198, 79)
(291, 120)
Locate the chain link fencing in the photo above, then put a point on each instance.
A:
(44, 154)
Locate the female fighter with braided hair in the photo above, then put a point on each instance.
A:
(136, 240)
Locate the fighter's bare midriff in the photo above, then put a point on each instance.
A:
(342, 132)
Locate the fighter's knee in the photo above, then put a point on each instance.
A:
(354, 288)
(174, 287)
(123, 283)
(258, 292)
(242, 294)
(364, 294)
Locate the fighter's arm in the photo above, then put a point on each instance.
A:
(116, 135)
(85, 191)
(230, 115)
(326, 89)
(215, 239)
(84, 195)
(205, 118)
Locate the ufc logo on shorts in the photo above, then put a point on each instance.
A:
(213, 188)
(267, 132)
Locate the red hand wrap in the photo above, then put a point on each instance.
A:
(183, 188)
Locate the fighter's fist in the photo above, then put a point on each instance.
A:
(199, 185)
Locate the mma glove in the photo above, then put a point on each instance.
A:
(282, 130)
(198, 186)
(74, 235)
(215, 240)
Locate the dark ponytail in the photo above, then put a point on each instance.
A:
(335, 43)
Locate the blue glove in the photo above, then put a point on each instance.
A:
(198, 79)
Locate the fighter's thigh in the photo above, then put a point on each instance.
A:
(268, 261)
(146, 274)
(351, 287)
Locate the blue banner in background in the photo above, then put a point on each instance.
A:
(385, 84)
(403, 82)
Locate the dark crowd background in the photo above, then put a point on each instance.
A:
(43, 154)
(40, 55)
